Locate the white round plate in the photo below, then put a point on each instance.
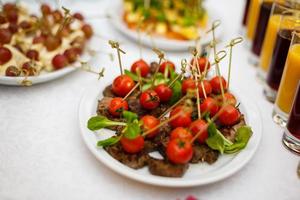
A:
(44, 76)
(161, 42)
(197, 174)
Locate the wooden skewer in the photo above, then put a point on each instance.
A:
(232, 43)
(183, 71)
(116, 45)
(130, 92)
(173, 106)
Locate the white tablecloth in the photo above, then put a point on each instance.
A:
(42, 155)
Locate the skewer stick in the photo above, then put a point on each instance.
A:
(215, 24)
(173, 106)
(197, 92)
(165, 122)
(130, 92)
(139, 78)
(183, 71)
(218, 59)
(232, 43)
(85, 67)
(116, 45)
(161, 57)
(211, 121)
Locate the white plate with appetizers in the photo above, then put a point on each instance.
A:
(197, 174)
(160, 41)
(40, 46)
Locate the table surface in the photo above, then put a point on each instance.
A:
(42, 155)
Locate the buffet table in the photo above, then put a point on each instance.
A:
(42, 154)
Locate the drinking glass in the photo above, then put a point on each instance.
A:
(289, 81)
(291, 136)
(278, 10)
(259, 33)
(289, 22)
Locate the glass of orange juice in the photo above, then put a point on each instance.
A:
(270, 37)
(289, 81)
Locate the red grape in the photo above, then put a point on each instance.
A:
(25, 24)
(9, 7)
(57, 16)
(12, 16)
(13, 27)
(12, 71)
(59, 61)
(5, 55)
(32, 54)
(88, 31)
(78, 16)
(38, 39)
(46, 10)
(28, 69)
(5, 36)
(71, 54)
(52, 42)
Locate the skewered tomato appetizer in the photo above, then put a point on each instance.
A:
(206, 87)
(229, 115)
(149, 99)
(164, 92)
(117, 106)
(188, 84)
(201, 63)
(199, 127)
(183, 119)
(181, 133)
(166, 65)
(210, 105)
(122, 85)
(179, 151)
(216, 85)
(150, 122)
(132, 145)
(228, 98)
(142, 66)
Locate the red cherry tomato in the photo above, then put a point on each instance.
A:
(122, 85)
(164, 92)
(210, 105)
(150, 122)
(230, 98)
(207, 88)
(216, 85)
(142, 66)
(149, 99)
(183, 120)
(165, 65)
(59, 61)
(179, 151)
(181, 133)
(229, 115)
(202, 63)
(132, 145)
(199, 127)
(117, 106)
(188, 84)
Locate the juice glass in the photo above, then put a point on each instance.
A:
(246, 10)
(270, 37)
(289, 82)
(254, 9)
(291, 136)
(259, 35)
(288, 24)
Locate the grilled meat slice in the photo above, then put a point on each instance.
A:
(108, 92)
(202, 153)
(135, 161)
(165, 168)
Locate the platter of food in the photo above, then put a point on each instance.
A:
(168, 25)
(159, 126)
(40, 46)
